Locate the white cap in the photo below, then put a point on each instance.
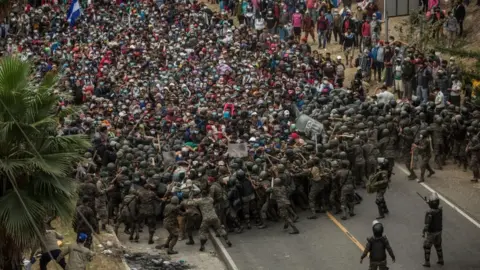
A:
(339, 57)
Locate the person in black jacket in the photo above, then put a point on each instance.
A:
(376, 246)
(459, 12)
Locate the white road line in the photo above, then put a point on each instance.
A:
(452, 205)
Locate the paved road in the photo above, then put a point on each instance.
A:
(323, 245)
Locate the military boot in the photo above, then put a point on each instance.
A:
(385, 208)
(475, 176)
(344, 213)
(440, 257)
(427, 258)
(314, 214)
(150, 239)
(202, 244)
(229, 244)
(190, 240)
(381, 213)
(172, 243)
(294, 229)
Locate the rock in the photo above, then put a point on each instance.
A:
(107, 252)
(100, 246)
(109, 244)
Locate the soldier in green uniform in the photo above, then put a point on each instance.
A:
(347, 189)
(379, 183)
(432, 231)
(279, 193)
(425, 152)
(170, 222)
(147, 200)
(209, 220)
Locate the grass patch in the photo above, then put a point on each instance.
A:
(100, 261)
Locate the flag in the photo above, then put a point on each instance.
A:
(74, 12)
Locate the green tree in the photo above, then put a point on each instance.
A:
(35, 163)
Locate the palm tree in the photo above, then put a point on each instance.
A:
(35, 163)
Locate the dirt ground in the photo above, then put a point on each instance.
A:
(102, 242)
(186, 253)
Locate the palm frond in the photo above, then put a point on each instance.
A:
(17, 220)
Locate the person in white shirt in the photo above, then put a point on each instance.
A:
(455, 91)
(259, 24)
(439, 99)
(384, 96)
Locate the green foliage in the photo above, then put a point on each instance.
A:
(35, 163)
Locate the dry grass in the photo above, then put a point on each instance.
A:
(100, 261)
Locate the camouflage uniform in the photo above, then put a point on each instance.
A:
(128, 214)
(170, 222)
(85, 221)
(370, 152)
(387, 146)
(101, 203)
(433, 230)
(280, 195)
(220, 201)
(347, 188)
(407, 139)
(88, 189)
(317, 185)
(426, 153)
(209, 220)
(147, 200)
(473, 150)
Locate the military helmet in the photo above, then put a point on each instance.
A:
(345, 163)
(356, 141)
(87, 155)
(174, 200)
(255, 168)
(277, 182)
(385, 132)
(424, 132)
(235, 166)
(249, 165)
(281, 168)
(342, 155)
(328, 153)
(263, 175)
(240, 174)
(377, 228)
(433, 200)
(334, 143)
(111, 166)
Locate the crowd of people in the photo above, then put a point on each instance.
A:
(206, 123)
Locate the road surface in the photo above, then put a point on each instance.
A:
(330, 244)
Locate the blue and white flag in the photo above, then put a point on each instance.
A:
(74, 12)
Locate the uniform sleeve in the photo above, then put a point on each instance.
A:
(64, 253)
(428, 220)
(367, 249)
(389, 249)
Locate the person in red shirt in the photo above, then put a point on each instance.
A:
(322, 30)
(366, 35)
(308, 26)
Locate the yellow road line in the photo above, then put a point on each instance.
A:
(345, 231)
